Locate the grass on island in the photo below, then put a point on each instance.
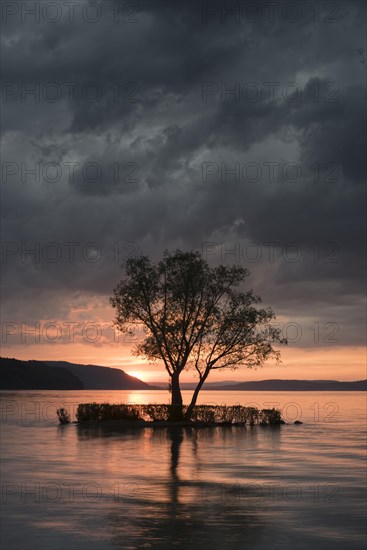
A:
(153, 414)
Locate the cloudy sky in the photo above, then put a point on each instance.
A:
(235, 129)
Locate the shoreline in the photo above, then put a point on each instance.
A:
(168, 424)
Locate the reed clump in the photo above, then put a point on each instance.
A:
(201, 414)
(63, 416)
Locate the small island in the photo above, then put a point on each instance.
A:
(127, 415)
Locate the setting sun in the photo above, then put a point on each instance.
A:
(136, 374)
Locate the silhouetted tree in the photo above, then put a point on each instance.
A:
(193, 316)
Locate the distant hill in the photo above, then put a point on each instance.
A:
(35, 375)
(96, 377)
(207, 386)
(296, 385)
(61, 375)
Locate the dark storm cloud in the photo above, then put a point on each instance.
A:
(129, 162)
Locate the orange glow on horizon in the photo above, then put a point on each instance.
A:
(334, 363)
(136, 374)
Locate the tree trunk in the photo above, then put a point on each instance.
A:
(176, 412)
(176, 397)
(190, 408)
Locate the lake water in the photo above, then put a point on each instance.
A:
(260, 488)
